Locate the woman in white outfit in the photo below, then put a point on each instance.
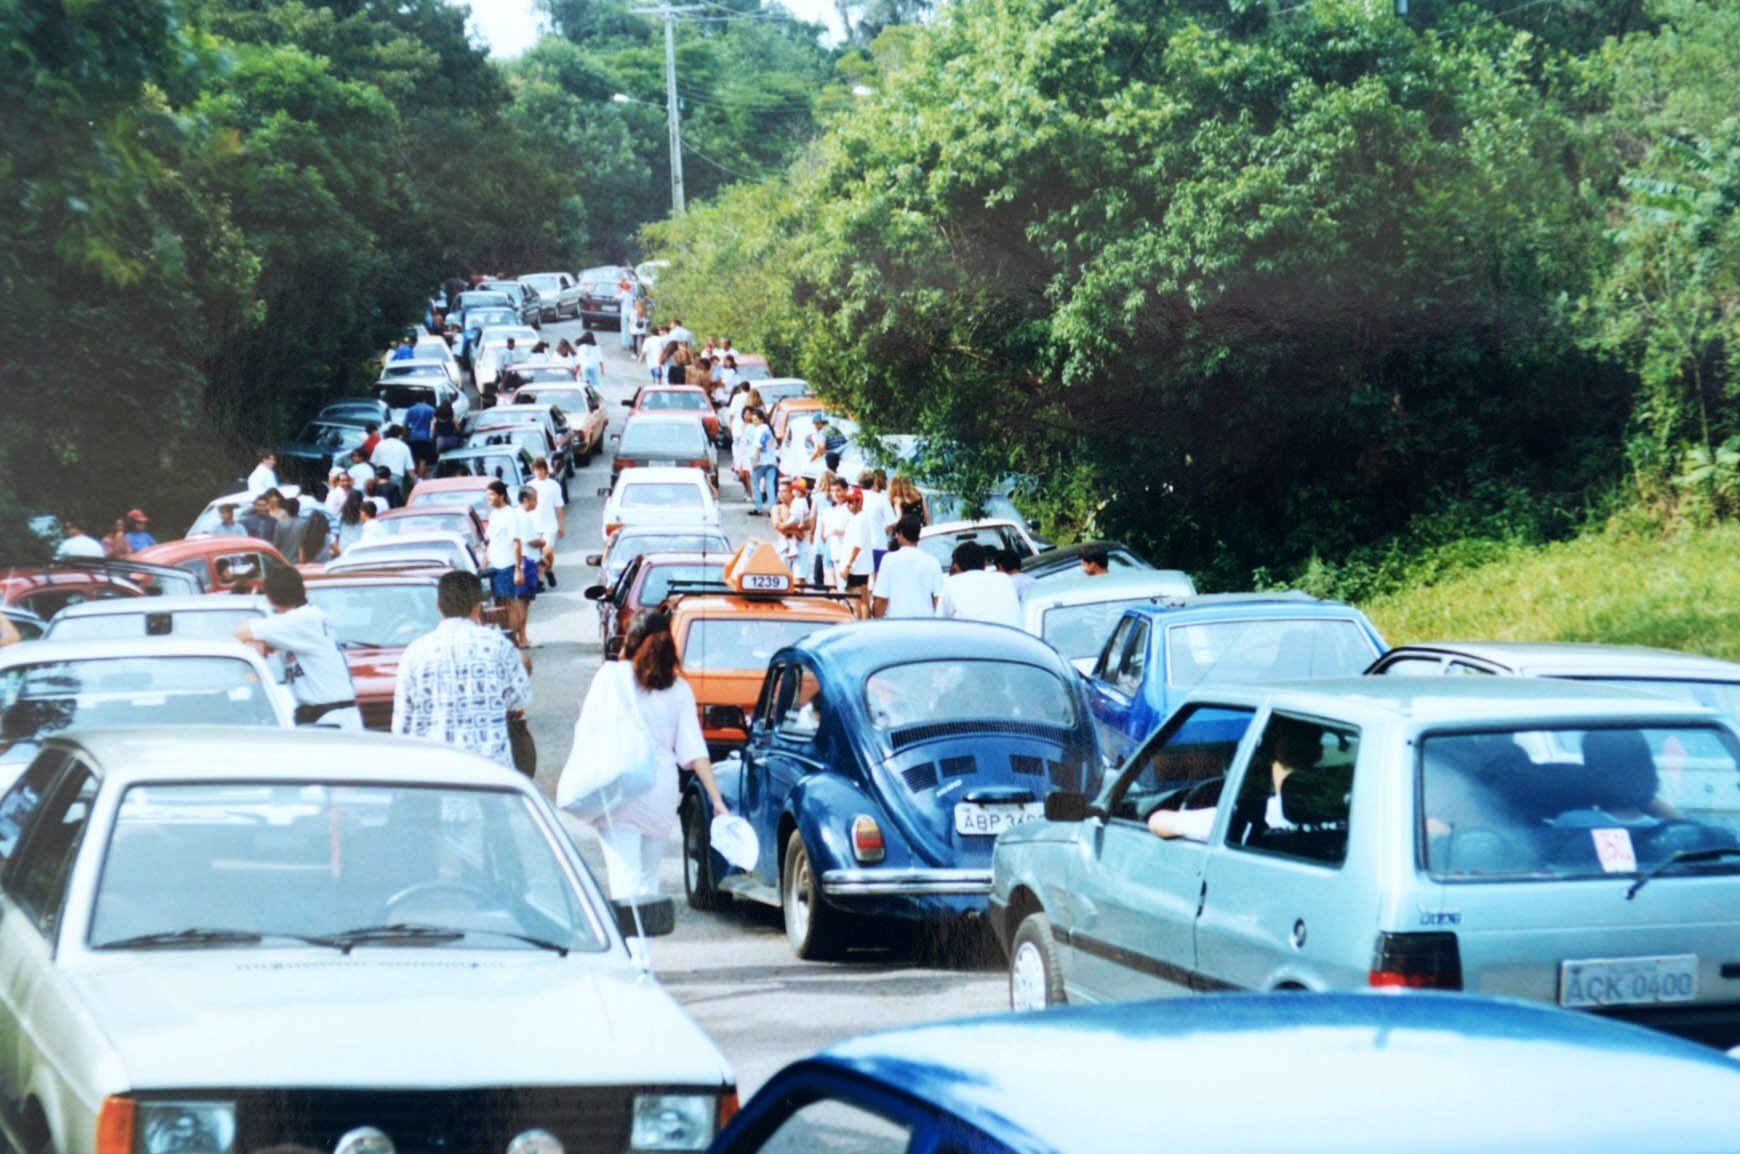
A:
(634, 832)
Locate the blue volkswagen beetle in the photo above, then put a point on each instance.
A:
(1304, 1073)
(883, 759)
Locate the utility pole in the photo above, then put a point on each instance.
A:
(672, 112)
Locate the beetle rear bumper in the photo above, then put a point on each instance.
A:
(854, 883)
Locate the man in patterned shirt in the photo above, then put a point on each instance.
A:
(459, 683)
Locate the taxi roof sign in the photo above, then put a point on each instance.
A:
(757, 568)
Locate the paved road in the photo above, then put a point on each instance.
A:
(732, 970)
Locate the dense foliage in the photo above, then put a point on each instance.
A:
(217, 212)
(1253, 285)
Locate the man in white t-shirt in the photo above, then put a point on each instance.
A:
(315, 666)
(265, 474)
(552, 515)
(831, 533)
(505, 554)
(858, 545)
(78, 543)
(395, 454)
(909, 580)
(879, 509)
(973, 593)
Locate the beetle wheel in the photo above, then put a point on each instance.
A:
(700, 882)
(811, 925)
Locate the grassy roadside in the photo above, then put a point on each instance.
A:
(1620, 585)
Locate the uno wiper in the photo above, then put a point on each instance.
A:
(1681, 858)
(419, 933)
(192, 936)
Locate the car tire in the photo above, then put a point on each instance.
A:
(1035, 973)
(812, 926)
(582, 457)
(700, 864)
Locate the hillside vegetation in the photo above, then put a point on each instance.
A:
(1623, 585)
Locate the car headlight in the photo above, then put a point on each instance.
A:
(187, 1127)
(535, 1142)
(673, 1121)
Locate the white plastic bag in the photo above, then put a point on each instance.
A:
(613, 757)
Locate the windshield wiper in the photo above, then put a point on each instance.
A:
(192, 936)
(348, 940)
(432, 935)
(1680, 858)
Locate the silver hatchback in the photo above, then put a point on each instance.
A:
(1556, 842)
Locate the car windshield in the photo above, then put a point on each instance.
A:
(955, 692)
(160, 690)
(660, 495)
(529, 436)
(455, 521)
(485, 317)
(657, 585)
(754, 373)
(477, 499)
(198, 624)
(414, 369)
(1722, 696)
(569, 400)
(626, 548)
(662, 438)
(1267, 649)
(742, 642)
(942, 546)
(545, 376)
(802, 426)
(1577, 802)
(675, 400)
(370, 552)
(495, 465)
(376, 616)
(1081, 630)
(326, 436)
(404, 396)
(313, 859)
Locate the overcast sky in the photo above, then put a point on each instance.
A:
(512, 26)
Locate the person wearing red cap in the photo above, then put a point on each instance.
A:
(859, 544)
(138, 536)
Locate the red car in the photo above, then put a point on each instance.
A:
(463, 492)
(426, 517)
(375, 616)
(218, 564)
(677, 399)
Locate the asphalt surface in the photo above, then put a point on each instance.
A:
(733, 970)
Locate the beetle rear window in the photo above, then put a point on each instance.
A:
(1577, 802)
(951, 692)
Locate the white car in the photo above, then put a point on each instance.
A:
(321, 941)
(797, 459)
(421, 367)
(1075, 614)
(940, 540)
(558, 293)
(660, 496)
(52, 685)
(400, 395)
(210, 518)
(201, 616)
(443, 550)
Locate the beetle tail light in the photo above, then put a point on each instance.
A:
(116, 1125)
(1416, 962)
(867, 843)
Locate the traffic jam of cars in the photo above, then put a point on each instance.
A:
(1396, 883)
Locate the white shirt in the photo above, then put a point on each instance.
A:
(590, 356)
(532, 525)
(456, 685)
(506, 525)
(361, 474)
(796, 513)
(262, 478)
(861, 534)
(831, 525)
(314, 665)
(911, 580)
(395, 455)
(980, 595)
(335, 499)
(549, 493)
(83, 545)
(881, 509)
(683, 335)
(674, 722)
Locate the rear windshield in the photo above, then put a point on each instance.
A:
(954, 691)
(199, 625)
(660, 495)
(1266, 650)
(1081, 630)
(159, 690)
(1577, 802)
(1722, 696)
(657, 585)
(493, 466)
(671, 438)
(676, 401)
(569, 400)
(404, 396)
(741, 642)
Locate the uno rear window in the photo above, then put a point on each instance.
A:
(661, 495)
(1568, 803)
(735, 643)
(663, 438)
(154, 691)
(1267, 649)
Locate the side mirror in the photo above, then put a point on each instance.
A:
(628, 404)
(604, 491)
(595, 559)
(596, 593)
(1066, 805)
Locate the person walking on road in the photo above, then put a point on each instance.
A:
(909, 581)
(460, 683)
(591, 359)
(506, 554)
(551, 514)
(265, 474)
(315, 666)
(763, 461)
(633, 833)
(625, 302)
(420, 435)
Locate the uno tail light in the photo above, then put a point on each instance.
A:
(1416, 962)
(116, 1125)
(729, 1105)
(867, 843)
